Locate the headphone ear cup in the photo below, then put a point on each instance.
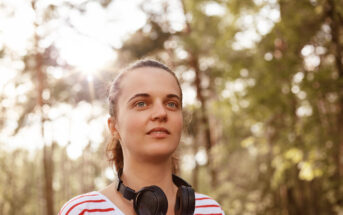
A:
(150, 201)
(185, 201)
(191, 201)
(178, 202)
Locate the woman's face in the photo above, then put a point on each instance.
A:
(149, 117)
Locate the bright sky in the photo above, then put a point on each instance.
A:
(88, 49)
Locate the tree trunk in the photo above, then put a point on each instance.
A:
(48, 178)
(338, 148)
(47, 150)
(335, 33)
(195, 148)
(204, 119)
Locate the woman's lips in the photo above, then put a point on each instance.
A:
(158, 132)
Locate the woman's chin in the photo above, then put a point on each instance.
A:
(159, 153)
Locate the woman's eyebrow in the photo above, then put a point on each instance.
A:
(139, 95)
(173, 96)
(146, 95)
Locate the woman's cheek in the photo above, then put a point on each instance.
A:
(178, 123)
(135, 124)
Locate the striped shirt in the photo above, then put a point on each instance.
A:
(95, 203)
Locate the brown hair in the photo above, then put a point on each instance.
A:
(114, 150)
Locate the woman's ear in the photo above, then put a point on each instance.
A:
(111, 122)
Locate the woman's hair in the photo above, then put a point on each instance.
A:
(114, 149)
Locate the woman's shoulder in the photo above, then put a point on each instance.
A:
(207, 205)
(86, 203)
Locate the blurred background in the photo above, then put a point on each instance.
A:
(263, 99)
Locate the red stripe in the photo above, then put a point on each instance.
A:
(203, 198)
(76, 198)
(96, 210)
(206, 206)
(101, 200)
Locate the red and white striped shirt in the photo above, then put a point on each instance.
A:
(95, 203)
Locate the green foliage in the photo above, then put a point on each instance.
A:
(278, 133)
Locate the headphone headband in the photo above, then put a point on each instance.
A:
(130, 194)
(127, 192)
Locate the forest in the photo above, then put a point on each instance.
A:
(263, 98)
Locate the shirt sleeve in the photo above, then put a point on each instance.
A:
(205, 205)
(86, 203)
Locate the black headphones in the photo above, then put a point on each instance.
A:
(152, 201)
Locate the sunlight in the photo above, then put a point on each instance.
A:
(254, 26)
(201, 156)
(67, 127)
(19, 26)
(213, 9)
(85, 54)
(88, 46)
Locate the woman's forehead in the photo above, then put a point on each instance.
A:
(149, 80)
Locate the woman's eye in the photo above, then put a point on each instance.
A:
(141, 104)
(172, 104)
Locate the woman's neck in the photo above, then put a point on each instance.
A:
(137, 174)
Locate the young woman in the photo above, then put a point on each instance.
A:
(145, 105)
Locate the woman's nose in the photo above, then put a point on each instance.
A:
(159, 112)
